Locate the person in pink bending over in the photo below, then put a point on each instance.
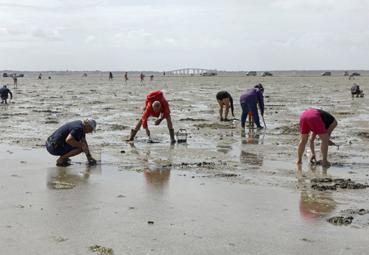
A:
(321, 124)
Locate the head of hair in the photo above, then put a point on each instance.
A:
(260, 87)
(156, 106)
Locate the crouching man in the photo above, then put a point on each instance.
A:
(157, 106)
(69, 140)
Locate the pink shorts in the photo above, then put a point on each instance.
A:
(310, 120)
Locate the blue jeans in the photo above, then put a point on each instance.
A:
(250, 107)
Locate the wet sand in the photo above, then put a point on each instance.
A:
(192, 213)
(219, 193)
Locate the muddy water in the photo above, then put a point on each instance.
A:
(261, 158)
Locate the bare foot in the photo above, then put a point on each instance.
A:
(324, 163)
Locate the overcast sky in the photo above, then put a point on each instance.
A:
(171, 34)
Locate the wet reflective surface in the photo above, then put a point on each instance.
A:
(223, 188)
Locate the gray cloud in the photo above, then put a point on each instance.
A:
(163, 34)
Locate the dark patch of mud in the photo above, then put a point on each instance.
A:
(343, 113)
(226, 175)
(363, 134)
(292, 129)
(51, 122)
(115, 127)
(192, 119)
(323, 184)
(204, 164)
(101, 250)
(341, 220)
(347, 216)
(355, 211)
(215, 125)
(46, 111)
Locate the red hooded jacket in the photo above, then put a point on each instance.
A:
(150, 99)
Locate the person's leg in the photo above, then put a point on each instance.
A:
(324, 149)
(220, 109)
(135, 130)
(254, 109)
(171, 129)
(74, 152)
(301, 148)
(245, 110)
(227, 105)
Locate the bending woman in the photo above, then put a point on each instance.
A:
(320, 123)
(225, 100)
(249, 101)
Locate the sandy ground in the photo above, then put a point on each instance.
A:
(219, 193)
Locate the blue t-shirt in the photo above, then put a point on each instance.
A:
(75, 128)
(4, 92)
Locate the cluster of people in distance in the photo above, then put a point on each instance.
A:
(69, 140)
(319, 122)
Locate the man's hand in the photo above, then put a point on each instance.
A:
(158, 121)
(313, 159)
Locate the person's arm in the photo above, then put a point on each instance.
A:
(11, 94)
(86, 150)
(312, 148)
(160, 119)
(73, 142)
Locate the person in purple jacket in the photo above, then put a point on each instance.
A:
(249, 100)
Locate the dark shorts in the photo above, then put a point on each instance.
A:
(58, 150)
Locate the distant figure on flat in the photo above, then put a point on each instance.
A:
(356, 91)
(40, 76)
(249, 101)
(163, 73)
(126, 77)
(4, 94)
(151, 77)
(225, 100)
(110, 76)
(142, 77)
(15, 80)
(157, 106)
(320, 123)
(70, 140)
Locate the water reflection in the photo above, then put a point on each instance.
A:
(313, 204)
(252, 137)
(224, 144)
(157, 179)
(68, 177)
(156, 169)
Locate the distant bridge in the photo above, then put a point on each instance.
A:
(190, 71)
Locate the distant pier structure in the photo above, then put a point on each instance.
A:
(190, 72)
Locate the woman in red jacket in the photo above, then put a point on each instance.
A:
(157, 106)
